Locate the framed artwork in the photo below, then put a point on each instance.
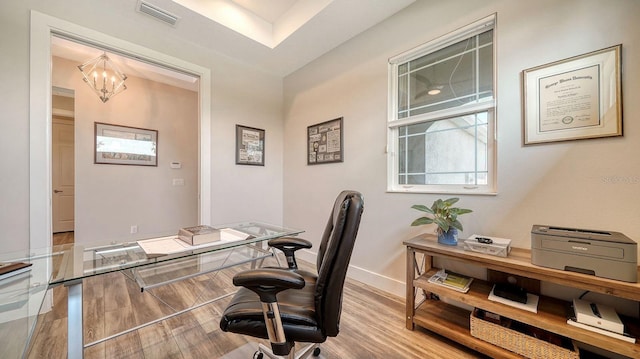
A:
(576, 98)
(249, 146)
(124, 145)
(325, 142)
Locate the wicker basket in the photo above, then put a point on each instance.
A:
(518, 342)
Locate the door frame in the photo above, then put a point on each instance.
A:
(40, 113)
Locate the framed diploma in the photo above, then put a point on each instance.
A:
(576, 98)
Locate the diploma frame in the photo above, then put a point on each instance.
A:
(576, 98)
(325, 142)
(249, 146)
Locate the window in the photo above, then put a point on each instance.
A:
(442, 114)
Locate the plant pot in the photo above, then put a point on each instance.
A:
(449, 238)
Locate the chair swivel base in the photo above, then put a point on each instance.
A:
(311, 349)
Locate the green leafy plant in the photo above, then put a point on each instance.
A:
(442, 214)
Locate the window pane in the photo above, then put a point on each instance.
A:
(485, 38)
(403, 89)
(442, 54)
(402, 152)
(418, 127)
(415, 179)
(415, 154)
(485, 73)
(449, 151)
(447, 78)
(402, 69)
(452, 79)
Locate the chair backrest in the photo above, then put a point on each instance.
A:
(334, 254)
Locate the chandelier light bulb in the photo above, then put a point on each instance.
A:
(107, 67)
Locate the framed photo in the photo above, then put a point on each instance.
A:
(573, 99)
(249, 146)
(124, 145)
(325, 142)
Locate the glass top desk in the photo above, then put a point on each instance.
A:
(22, 296)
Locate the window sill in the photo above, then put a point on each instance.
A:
(456, 191)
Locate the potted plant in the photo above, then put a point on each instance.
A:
(445, 217)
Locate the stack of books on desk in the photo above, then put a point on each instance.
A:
(197, 235)
(598, 318)
(451, 280)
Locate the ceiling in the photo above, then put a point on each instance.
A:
(276, 36)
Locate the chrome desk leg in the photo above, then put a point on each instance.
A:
(75, 338)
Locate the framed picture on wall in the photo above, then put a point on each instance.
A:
(249, 146)
(124, 145)
(576, 98)
(325, 142)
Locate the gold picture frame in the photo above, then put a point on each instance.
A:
(575, 98)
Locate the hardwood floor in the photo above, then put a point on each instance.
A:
(372, 323)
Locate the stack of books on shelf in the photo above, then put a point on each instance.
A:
(451, 280)
(598, 318)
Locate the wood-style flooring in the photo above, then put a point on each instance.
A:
(372, 323)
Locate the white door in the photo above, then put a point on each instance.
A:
(63, 175)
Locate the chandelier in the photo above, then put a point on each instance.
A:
(103, 76)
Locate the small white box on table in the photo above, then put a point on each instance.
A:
(498, 246)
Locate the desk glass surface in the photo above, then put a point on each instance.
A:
(86, 260)
(22, 296)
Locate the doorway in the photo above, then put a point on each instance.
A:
(112, 199)
(62, 161)
(43, 27)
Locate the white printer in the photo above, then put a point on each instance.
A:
(601, 253)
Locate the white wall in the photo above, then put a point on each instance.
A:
(590, 184)
(240, 94)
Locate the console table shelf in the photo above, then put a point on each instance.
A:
(453, 322)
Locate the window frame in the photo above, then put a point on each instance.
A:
(483, 105)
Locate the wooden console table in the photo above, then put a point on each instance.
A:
(453, 322)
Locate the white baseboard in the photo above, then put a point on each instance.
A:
(378, 281)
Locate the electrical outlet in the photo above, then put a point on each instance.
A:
(134, 229)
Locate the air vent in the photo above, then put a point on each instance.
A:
(157, 13)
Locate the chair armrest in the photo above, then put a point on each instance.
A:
(289, 245)
(267, 282)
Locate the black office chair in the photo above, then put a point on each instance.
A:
(289, 305)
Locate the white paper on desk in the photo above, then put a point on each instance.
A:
(173, 244)
(163, 245)
(232, 235)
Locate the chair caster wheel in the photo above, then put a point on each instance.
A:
(316, 352)
(258, 355)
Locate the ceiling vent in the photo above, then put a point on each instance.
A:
(157, 13)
